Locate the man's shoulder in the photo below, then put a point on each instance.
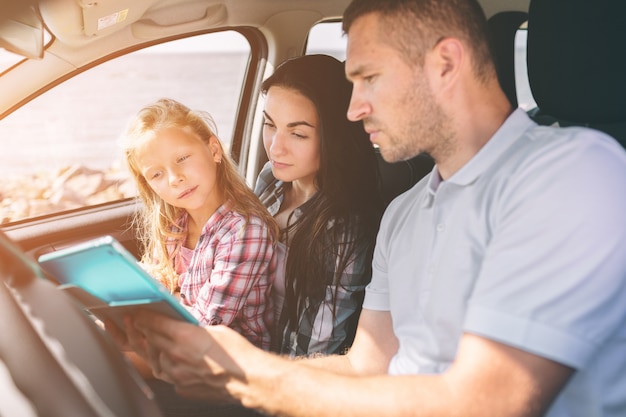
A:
(572, 137)
(543, 149)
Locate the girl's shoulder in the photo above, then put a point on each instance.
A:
(232, 219)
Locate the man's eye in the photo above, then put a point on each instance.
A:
(369, 79)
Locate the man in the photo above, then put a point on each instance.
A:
(499, 284)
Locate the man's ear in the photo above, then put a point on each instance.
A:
(447, 59)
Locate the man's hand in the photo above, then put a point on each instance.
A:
(203, 363)
(118, 335)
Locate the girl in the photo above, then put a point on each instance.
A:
(205, 233)
(322, 186)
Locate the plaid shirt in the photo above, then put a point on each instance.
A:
(321, 331)
(229, 275)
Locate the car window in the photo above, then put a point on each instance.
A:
(522, 86)
(327, 38)
(68, 154)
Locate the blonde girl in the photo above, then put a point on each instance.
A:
(205, 234)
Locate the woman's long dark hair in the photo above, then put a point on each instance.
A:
(348, 181)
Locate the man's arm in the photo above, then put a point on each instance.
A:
(215, 363)
(374, 346)
(487, 379)
(181, 353)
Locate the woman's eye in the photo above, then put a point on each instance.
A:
(299, 135)
(268, 124)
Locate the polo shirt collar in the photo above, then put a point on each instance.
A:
(510, 131)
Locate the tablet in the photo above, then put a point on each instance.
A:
(109, 281)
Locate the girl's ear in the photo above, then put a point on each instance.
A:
(216, 149)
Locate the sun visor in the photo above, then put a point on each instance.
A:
(76, 22)
(21, 32)
(169, 21)
(103, 17)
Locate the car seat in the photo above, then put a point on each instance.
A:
(502, 28)
(576, 58)
(397, 177)
(54, 360)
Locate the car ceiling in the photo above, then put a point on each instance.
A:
(84, 21)
(84, 31)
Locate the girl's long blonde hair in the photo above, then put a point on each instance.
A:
(157, 229)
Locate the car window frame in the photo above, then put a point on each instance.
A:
(242, 119)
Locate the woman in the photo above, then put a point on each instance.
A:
(321, 184)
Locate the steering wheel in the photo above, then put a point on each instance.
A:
(54, 359)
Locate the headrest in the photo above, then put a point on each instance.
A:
(502, 29)
(577, 59)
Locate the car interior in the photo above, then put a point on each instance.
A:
(50, 349)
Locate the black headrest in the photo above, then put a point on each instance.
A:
(577, 59)
(502, 29)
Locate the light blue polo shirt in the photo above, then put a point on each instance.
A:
(525, 245)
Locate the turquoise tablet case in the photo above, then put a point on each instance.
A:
(108, 280)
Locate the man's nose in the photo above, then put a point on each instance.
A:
(358, 108)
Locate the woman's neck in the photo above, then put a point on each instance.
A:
(295, 195)
(301, 191)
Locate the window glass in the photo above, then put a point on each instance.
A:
(327, 38)
(68, 154)
(522, 86)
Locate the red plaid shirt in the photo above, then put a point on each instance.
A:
(229, 275)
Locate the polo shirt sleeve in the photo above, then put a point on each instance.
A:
(552, 280)
(377, 291)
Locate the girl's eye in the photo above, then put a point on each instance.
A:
(182, 158)
(155, 175)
